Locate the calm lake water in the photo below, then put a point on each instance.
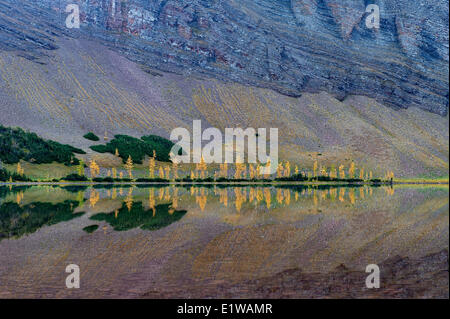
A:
(231, 242)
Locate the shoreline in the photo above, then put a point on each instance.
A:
(89, 183)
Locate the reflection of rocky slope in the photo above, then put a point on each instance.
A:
(292, 46)
(218, 251)
(426, 277)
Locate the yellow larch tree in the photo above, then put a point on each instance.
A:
(151, 167)
(167, 170)
(175, 170)
(287, 169)
(252, 173)
(280, 170)
(224, 170)
(94, 169)
(237, 171)
(19, 169)
(129, 166)
(351, 170)
(341, 172)
(240, 168)
(391, 175)
(202, 167)
(315, 165)
(268, 165)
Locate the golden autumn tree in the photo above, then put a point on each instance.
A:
(167, 170)
(224, 170)
(351, 170)
(129, 166)
(280, 170)
(244, 171)
(240, 168)
(116, 153)
(237, 171)
(151, 167)
(315, 166)
(361, 173)
(175, 170)
(202, 168)
(341, 172)
(161, 172)
(94, 169)
(114, 172)
(267, 165)
(287, 169)
(390, 175)
(252, 172)
(19, 169)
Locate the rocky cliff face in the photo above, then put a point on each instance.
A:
(292, 46)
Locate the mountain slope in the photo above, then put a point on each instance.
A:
(291, 46)
(84, 86)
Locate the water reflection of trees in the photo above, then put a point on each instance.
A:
(238, 196)
(161, 206)
(17, 220)
(137, 216)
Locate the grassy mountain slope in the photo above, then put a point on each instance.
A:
(84, 87)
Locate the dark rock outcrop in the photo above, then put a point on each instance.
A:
(292, 46)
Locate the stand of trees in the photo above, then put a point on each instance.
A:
(5, 176)
(17, 144)
(126, 146)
